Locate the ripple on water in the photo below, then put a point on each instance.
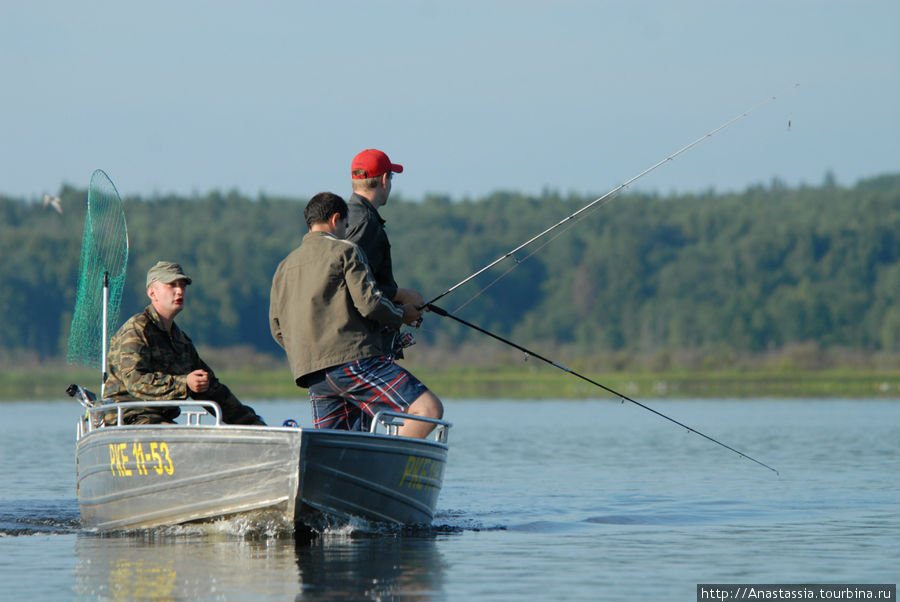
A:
(36, 517)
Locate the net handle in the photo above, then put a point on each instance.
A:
(103, 373)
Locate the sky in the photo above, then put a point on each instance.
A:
(472, 97)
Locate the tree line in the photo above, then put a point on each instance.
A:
(751, 271)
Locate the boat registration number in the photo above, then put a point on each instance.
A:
(137, 460)
(420, 472)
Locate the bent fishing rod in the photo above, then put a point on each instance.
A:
(609, 195)
(442, 312)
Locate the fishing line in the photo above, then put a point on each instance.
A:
(612, 192)
(519, 262)
(445, 313)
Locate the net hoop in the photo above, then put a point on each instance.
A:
(101, 274)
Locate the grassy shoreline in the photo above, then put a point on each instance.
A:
(46, 383)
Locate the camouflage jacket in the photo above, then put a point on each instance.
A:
(146, 362)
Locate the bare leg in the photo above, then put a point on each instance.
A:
(427, 405)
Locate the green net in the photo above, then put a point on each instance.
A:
(104, 251)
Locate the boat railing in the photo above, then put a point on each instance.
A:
(392, 421)
(95, 412)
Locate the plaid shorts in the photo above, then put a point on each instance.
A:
(346, 397)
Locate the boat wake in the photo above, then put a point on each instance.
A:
(261, 524)
(38, 517)
(459, 521)
(20, 518)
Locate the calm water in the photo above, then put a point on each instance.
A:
(562, 500)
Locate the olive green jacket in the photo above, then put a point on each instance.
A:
(325, 308)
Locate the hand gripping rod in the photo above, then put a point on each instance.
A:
(612, 192)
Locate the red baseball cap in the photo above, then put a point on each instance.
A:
(374, 163)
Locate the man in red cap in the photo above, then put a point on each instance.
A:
(371, 174)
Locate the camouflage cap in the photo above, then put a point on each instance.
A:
(166, 271)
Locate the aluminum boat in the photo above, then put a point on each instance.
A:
(145, 476)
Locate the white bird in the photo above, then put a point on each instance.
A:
(53, 201)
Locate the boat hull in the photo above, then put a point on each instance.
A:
(135, 477)
(378, 478)
(144, 476)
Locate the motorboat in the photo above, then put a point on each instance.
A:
(146, 476)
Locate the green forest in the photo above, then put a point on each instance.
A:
(749, 272)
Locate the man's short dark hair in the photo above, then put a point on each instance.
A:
(321, 207)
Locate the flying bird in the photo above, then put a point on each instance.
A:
(54, 202)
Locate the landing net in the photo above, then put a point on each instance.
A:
(104, 255)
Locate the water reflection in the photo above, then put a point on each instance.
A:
(336, 566)
(370, 568)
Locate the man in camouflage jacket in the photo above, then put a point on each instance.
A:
(150, 357)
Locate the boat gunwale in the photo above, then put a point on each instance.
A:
(382, 417)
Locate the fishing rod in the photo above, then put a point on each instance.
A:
(606, 197)
(442, 312)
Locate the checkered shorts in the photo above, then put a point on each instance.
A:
(346, 397)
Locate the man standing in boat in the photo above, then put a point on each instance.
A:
(327, 312)
(151, 358)
(371, 174)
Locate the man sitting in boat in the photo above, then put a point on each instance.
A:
(328, 314)
(151, 358)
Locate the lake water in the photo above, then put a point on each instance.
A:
(547, 500)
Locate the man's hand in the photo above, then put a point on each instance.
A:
(408, 295)
(411, 315)
(198, 381)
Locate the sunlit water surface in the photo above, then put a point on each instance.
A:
(562, 500)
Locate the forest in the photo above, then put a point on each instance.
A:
(751, 271)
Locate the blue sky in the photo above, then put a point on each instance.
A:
(471, 96)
